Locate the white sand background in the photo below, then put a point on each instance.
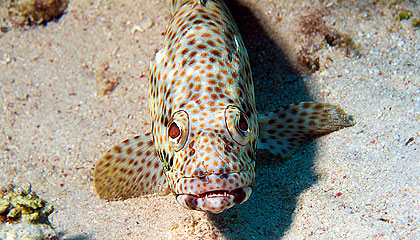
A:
(358, 183)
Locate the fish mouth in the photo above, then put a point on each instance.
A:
(215, 201)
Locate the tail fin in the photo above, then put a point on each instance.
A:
(282, 131)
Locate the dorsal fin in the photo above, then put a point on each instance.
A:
(284, 130)
(174, 5)
(129, 169)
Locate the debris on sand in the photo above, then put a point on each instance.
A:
(23, 215)
(30, 12)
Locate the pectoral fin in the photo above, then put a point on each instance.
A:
(129, 169)
(282, 131)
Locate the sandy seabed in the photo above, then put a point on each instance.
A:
(359, 183)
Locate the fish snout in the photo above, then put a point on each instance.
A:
(209, 160)
(214, 179)
(215, 192)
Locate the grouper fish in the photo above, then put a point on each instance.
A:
(205, 128)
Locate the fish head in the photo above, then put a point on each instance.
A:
(210, 159)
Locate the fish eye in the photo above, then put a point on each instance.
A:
(174, 131)
(177, 130)
(238, 125)
(243, 123)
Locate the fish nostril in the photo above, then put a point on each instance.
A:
(204, 178)
(222, 176)
(200, 172)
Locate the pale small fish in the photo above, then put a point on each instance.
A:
(204, 125)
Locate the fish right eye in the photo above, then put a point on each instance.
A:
(174, 131)
(177, 130)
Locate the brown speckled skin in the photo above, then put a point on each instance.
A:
(203, 70)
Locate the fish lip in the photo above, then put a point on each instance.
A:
(228, 199)
(238, 194)
(218, 193)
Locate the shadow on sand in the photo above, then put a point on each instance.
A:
(269, 211)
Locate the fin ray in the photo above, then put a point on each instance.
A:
(284, 130)
(129, 169)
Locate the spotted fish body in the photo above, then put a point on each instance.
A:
(205, 127)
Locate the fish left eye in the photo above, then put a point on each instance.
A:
(238, 125)
(243, 123)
